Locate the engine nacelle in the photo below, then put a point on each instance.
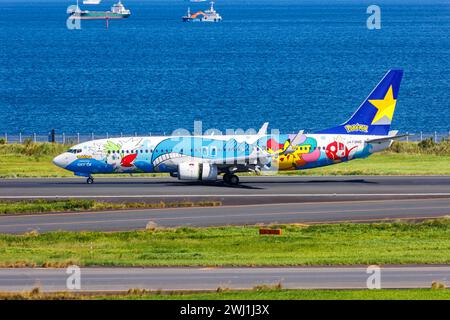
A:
(197, 171)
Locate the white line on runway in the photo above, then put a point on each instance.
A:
(317, 195)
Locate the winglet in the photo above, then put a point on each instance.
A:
(296, 139)
(263, 130)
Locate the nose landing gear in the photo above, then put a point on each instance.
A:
(90, 180)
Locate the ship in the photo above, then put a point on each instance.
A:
(91, 1)
(118, 11)
(209, 15)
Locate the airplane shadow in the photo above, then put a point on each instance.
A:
(362, 181)
(215, 184)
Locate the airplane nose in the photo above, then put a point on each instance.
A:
(60, 161)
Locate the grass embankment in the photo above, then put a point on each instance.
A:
(71, 205)
(338, 244)
(388, 294)
(424, 158)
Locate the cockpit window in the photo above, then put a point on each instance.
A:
(74, 151)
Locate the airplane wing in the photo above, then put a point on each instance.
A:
(256, 157)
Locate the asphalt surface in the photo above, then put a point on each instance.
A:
(326, 212)
(258, 200)
(252, 190)
(119, 279)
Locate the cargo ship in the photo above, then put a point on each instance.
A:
(210, 15)
(118, 11)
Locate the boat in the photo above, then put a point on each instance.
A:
(209, 15)
(92, 1)
(118, 11)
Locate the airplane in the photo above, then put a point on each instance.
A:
(206, 157)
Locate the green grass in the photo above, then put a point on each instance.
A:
(336, 244)
(385, 294)
(35, 160)
(411, 294)
(71, 205)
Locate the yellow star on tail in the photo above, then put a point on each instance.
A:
(385, 107)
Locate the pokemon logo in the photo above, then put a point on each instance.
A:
(84, 157)
(357, 127)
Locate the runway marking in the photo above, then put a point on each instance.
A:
(377, 219)
(303, 195)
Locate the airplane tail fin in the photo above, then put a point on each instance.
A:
(375, 114)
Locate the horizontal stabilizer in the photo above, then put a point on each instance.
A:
(389, 138)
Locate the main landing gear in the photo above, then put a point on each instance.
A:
(90, 180)
(231, 179)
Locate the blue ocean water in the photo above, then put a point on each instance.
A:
(296, 64)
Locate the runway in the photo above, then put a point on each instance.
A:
(322, 212)
(252, 190)
(260, 200)
(122, 279)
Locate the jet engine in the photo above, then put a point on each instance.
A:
(197, 171)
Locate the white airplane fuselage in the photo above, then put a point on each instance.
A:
(205, 157)
(234, 153)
